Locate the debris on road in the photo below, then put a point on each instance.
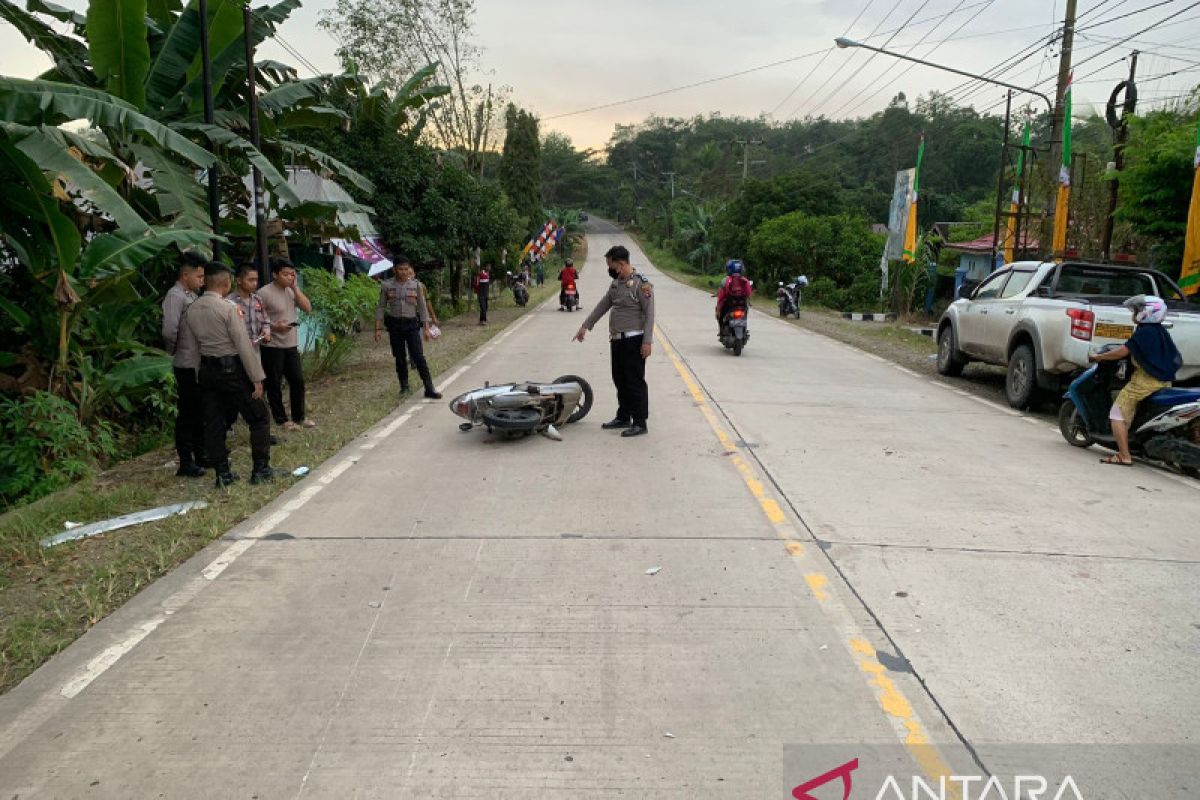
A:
(75, 531)
(669, 735)
(654, 570)
(300, 472)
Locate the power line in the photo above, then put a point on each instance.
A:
(674, 89)
(928, 53)
(828, 79)
(863, 66)
(1124, 16)
(822, 61)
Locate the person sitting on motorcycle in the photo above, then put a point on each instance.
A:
(566, 276)
(735, 289)
(1155, 360)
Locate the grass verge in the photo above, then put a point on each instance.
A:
(48, 598)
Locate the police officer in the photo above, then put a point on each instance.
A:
(189, 420)
(231, 375)
(630, 330)
(404, 310)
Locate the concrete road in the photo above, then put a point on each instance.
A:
(854, 561)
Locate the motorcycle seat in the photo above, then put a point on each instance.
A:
(1174, 397)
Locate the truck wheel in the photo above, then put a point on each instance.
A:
(1020, 385)
(1071, 426)
(949, 362)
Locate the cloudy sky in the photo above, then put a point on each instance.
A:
(569, 55)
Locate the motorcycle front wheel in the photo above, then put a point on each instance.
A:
(512, 419)
(1071, 426)
(585, 400)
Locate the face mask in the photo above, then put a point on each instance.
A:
(612, 273)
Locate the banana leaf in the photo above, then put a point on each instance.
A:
(46, 103)
(117, 45)
(319, 160)
(69, 55)
(322, 117)
(168, 72)
(231, 141)
(38, 197)
(47, 148)
(180, 196)
(113, 254)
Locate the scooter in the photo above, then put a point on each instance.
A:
(788, 297)
(734, 329)
(570, 297)
(526, 407)
(1166, 427)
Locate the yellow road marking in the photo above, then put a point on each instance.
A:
(889, 697)
(816, 581)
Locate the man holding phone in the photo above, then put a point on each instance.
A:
(281, 354)
(254, 313)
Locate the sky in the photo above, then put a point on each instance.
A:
(566, 56)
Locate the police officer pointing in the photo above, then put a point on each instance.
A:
(231, 375)
(630, 330)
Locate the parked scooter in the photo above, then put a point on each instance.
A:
(1166, 427)
(524, 408)
(788, 296)
(734, 329)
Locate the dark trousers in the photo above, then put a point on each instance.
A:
(405, 334)
(483, 305)
(282, 363)
(189, 419)
(229, 392)
(629, 376)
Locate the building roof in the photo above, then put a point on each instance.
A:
(984, 243)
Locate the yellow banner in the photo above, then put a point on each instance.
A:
(1010, 242)
(910, 234)
(1062, 210)
(1189, 277)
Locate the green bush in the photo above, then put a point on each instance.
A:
(338, 310)
(44, 446)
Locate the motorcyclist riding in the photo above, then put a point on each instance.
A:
(567, 275)
(735, 289)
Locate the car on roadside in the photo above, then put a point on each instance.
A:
(1042, 319)
(583, 217)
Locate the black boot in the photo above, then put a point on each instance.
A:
(225, 475)
(262, 472)
(188, 468)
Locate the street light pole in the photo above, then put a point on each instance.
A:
(843, 42)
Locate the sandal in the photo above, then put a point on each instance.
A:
(1115, 460)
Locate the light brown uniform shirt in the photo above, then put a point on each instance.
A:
(173, 305)
(280, 305)
(632, 304)
(214, 328)
(402, 300)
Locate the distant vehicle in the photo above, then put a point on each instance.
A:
(583, 216)
(1040, 319)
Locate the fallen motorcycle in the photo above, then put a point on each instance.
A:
(525, 407)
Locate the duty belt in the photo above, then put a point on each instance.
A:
(624, 335)
(223, 363)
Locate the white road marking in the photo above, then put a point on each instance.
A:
(228, 557)
(98, 665)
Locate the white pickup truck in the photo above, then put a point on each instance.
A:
(1041, 319)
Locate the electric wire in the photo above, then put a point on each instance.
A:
(817, 66)
(903, 72)
(871, 58)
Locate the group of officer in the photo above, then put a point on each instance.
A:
(218, 373)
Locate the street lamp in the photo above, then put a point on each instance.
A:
(843, 43)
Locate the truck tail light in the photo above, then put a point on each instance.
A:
(1082, 322)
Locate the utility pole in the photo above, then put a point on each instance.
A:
(1068, 42)
(671, 206)
(214, 197)
(1000, 181)
(1120, 134)
(260, 208)
(745, 143)
(671, 175)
